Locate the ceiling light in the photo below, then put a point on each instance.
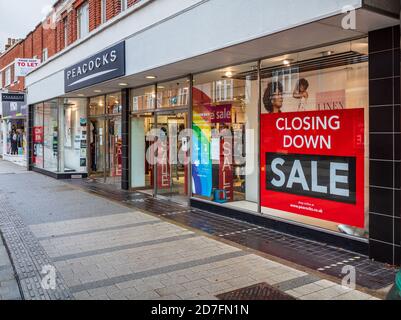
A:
(123, 84)
(150, 77)
(229, 74)
(161, 87)
(80, 95)
(287, 62)
(97, 91)
(327, 53)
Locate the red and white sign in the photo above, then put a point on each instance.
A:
(313, 164)
(24, 66)
(226, 169)
(38, 135)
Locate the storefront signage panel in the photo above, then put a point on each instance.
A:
(14, 105)
(313, 164)
(104, 66)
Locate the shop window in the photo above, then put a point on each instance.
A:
(314, 138)
(51, 136)
(114, 103)
(74, 136)
(225, 126)
(97, 106)
(38, 136)
(173, 94)
(143, 99)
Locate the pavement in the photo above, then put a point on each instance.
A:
(98, 249)
(9, 289)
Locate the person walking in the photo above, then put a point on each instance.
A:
(14, 143)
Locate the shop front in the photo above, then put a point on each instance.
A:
(13, 128)
(159, 135)
(59, 138)
(298, 136)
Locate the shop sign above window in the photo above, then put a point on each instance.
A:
(14, 105)
(104, 66)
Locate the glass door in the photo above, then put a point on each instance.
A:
(97, 146)
(172, 156)
(113, 169)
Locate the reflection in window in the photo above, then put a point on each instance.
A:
(143, 98)
(173, 94)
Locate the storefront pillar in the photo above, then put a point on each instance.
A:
(385, 145)
(125, 118)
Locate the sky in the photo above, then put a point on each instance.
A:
(19, 17)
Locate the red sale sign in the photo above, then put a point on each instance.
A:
(312, 164)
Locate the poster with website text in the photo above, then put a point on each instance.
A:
(312, 164)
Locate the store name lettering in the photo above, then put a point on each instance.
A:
(96, 63)
(306, 124)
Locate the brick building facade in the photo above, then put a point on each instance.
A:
(58, 31)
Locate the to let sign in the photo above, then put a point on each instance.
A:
(106, 65)
(24, 66)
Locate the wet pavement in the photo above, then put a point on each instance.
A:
(320, 257)
(106, 244)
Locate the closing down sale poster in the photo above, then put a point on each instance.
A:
(313, 164)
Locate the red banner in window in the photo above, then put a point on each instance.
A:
(312, 164)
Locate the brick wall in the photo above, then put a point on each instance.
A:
(50, 35)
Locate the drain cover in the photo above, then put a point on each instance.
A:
(261, 291)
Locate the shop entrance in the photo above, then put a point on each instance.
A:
(173, 155)
(160, 153)
(105, 158)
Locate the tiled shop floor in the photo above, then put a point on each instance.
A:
(103, 250)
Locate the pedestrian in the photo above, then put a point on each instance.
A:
(14, 143)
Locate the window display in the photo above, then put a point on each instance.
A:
(225, 124)
(314, 137)
(51, 136)
(38, 135)
(59, 135)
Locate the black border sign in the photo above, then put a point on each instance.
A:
(106, 65)
(13, 97)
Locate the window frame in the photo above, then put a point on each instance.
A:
(84, 8)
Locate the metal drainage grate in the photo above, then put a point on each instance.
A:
(261, 291)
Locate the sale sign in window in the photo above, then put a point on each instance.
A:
(312, 164)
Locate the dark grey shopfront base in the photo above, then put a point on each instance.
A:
(288, 228)
(60, 176)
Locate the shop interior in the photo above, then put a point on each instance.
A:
(105, 139)
(160, 152)
(337, 72)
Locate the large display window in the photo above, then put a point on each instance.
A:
(37, 136)
(224, 140)
(51, 136)
(314, 138)
(60, 135)
(311, 107)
